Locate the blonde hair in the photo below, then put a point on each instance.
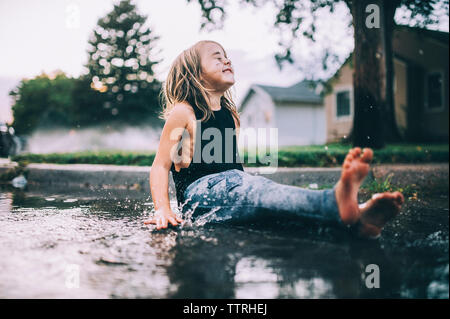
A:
(183, 85)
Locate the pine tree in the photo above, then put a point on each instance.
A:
(120, 66)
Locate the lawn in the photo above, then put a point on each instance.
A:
(293, 156)
(333, 154)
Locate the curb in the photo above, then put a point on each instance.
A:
(134, 180)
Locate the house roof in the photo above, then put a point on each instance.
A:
(300, 92)
(303, 92)
(440, 36)
(432, 34)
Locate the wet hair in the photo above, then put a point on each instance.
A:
(183, 85)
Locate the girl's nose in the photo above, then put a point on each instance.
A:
(227, 62)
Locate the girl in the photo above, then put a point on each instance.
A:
(198, 101)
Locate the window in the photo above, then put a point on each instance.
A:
(343, 104)
(434, 91)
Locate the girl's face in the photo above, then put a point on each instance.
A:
(217, 72)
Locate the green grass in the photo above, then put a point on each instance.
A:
(333, 154)
(89, 157)
(294, 156)
(376, 186)
(387, 186)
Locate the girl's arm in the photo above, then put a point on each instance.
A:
(159, 174)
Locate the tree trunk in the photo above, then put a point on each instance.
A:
(392, 133)
(374, 117)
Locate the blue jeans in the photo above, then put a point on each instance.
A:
(237, 195)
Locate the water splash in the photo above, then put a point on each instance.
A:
(203, 219)
(211, 216)
(187, 218)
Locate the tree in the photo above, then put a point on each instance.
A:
(43, 101)
(87, 104)
(374, 120)
(120, 67)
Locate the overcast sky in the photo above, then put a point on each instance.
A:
(42, 35)
(46, 35)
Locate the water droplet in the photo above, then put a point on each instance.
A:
(313, 186)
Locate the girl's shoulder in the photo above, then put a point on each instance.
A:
(183, 110)
(181, 113)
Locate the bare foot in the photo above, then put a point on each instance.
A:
(354, 170)
(377, 211)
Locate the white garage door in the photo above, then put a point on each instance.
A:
(301, 125)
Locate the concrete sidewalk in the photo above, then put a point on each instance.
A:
(130, 179)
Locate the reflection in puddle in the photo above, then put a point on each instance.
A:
(313, 288)
(255, 279)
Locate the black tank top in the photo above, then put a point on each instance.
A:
(198, 167)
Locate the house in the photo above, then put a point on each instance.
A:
(296, 111)
(421, 97)
(420, 88)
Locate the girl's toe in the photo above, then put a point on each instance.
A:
(367, 155)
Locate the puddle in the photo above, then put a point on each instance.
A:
(66, 246)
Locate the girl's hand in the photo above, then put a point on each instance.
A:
(162, 217)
